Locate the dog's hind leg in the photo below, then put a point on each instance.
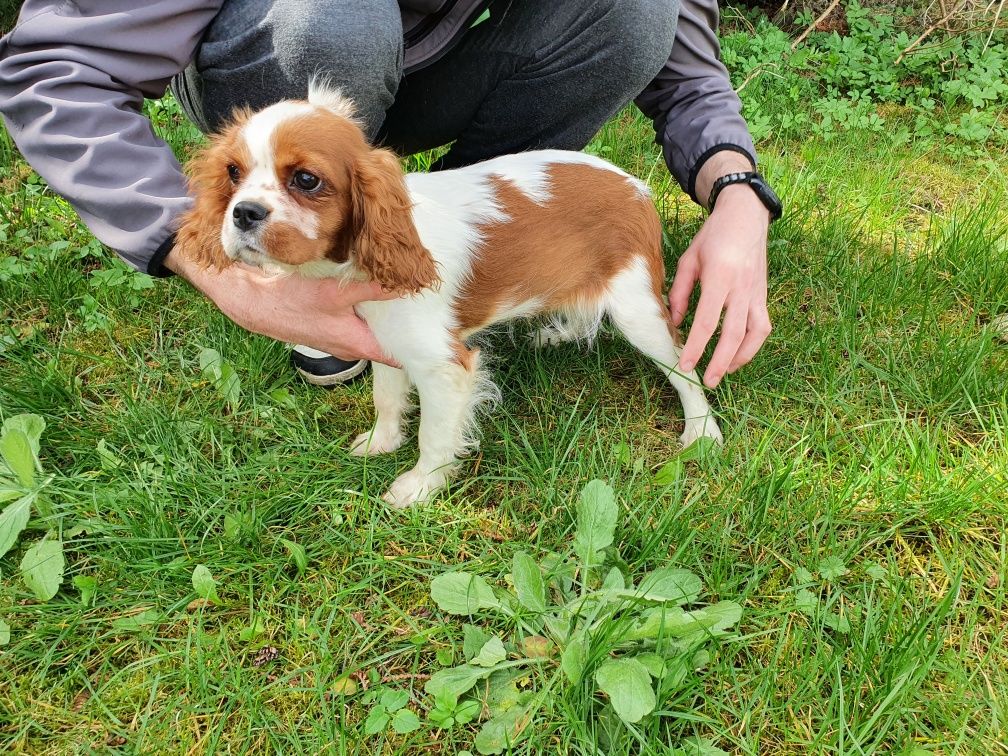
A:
(550, 334)
(576, 322)
(391, 400)
(635, 305)
(448, 393)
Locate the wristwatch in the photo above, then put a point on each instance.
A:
(757, 183)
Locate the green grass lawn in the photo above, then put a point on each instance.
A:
(857, 511)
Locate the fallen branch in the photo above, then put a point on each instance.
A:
(755, 72)
(994, 23)
(930, 30)
(811, 27)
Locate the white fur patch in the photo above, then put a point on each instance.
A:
(316, 269)
(529, 171)
(514, 310)
(324, 94)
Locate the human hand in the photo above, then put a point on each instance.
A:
(729, 259)
(315, 312)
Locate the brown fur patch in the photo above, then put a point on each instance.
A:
(562, 252)
(199, 234)
(386, 245)
(363, 207)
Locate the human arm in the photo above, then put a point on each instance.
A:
(698, 122)
(73, 77)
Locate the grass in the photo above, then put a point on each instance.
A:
(870, 429)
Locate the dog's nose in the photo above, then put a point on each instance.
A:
(247, 215)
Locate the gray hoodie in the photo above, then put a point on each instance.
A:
(73, 77)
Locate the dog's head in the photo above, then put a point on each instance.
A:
(296, 186)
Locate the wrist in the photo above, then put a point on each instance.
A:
(741, 200)
(719, 164)
(222, 287)
(156, 263)
(175, 263)
(195, 272)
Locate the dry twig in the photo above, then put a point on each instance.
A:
(753, 74)
(930, 30)
(994, 23)
(811, 27)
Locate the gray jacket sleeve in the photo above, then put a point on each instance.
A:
(694, 108)
(73, 77)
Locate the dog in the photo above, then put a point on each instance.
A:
(297, 188)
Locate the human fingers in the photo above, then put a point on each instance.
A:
(353, 340)
(733, 332)
(758, 330)
(687, 273)
(758, 326)
(708, 314)
(352, 292)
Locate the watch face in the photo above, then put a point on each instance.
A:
(768, 196)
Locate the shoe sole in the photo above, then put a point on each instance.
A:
(334, 379)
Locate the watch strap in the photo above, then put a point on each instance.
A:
(743, 177)
(755, 182)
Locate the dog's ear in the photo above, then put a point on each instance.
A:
(199, 235)
(386, 244)
(199, 238)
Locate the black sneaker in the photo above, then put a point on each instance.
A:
(321, 369)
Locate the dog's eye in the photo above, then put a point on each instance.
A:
(233, 173)
(305, 181)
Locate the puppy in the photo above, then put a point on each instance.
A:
(296, 187)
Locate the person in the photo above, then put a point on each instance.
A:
(488, 77)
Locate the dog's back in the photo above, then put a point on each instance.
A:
(548, 230)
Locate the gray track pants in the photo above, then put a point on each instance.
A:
(535, 75)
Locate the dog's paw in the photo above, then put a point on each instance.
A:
(701, 427)
(375, 442)
(409, 488)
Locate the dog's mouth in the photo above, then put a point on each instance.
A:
(245, 248)
(251, 255)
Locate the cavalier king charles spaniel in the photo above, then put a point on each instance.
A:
(297, 188)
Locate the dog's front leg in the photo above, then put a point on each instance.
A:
(446, 394)
(391, 400)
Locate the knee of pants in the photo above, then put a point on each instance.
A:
(258, 52)
(364, 59)
(638, 34)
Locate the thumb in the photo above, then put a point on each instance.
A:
(370, 291)
(352, 292)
